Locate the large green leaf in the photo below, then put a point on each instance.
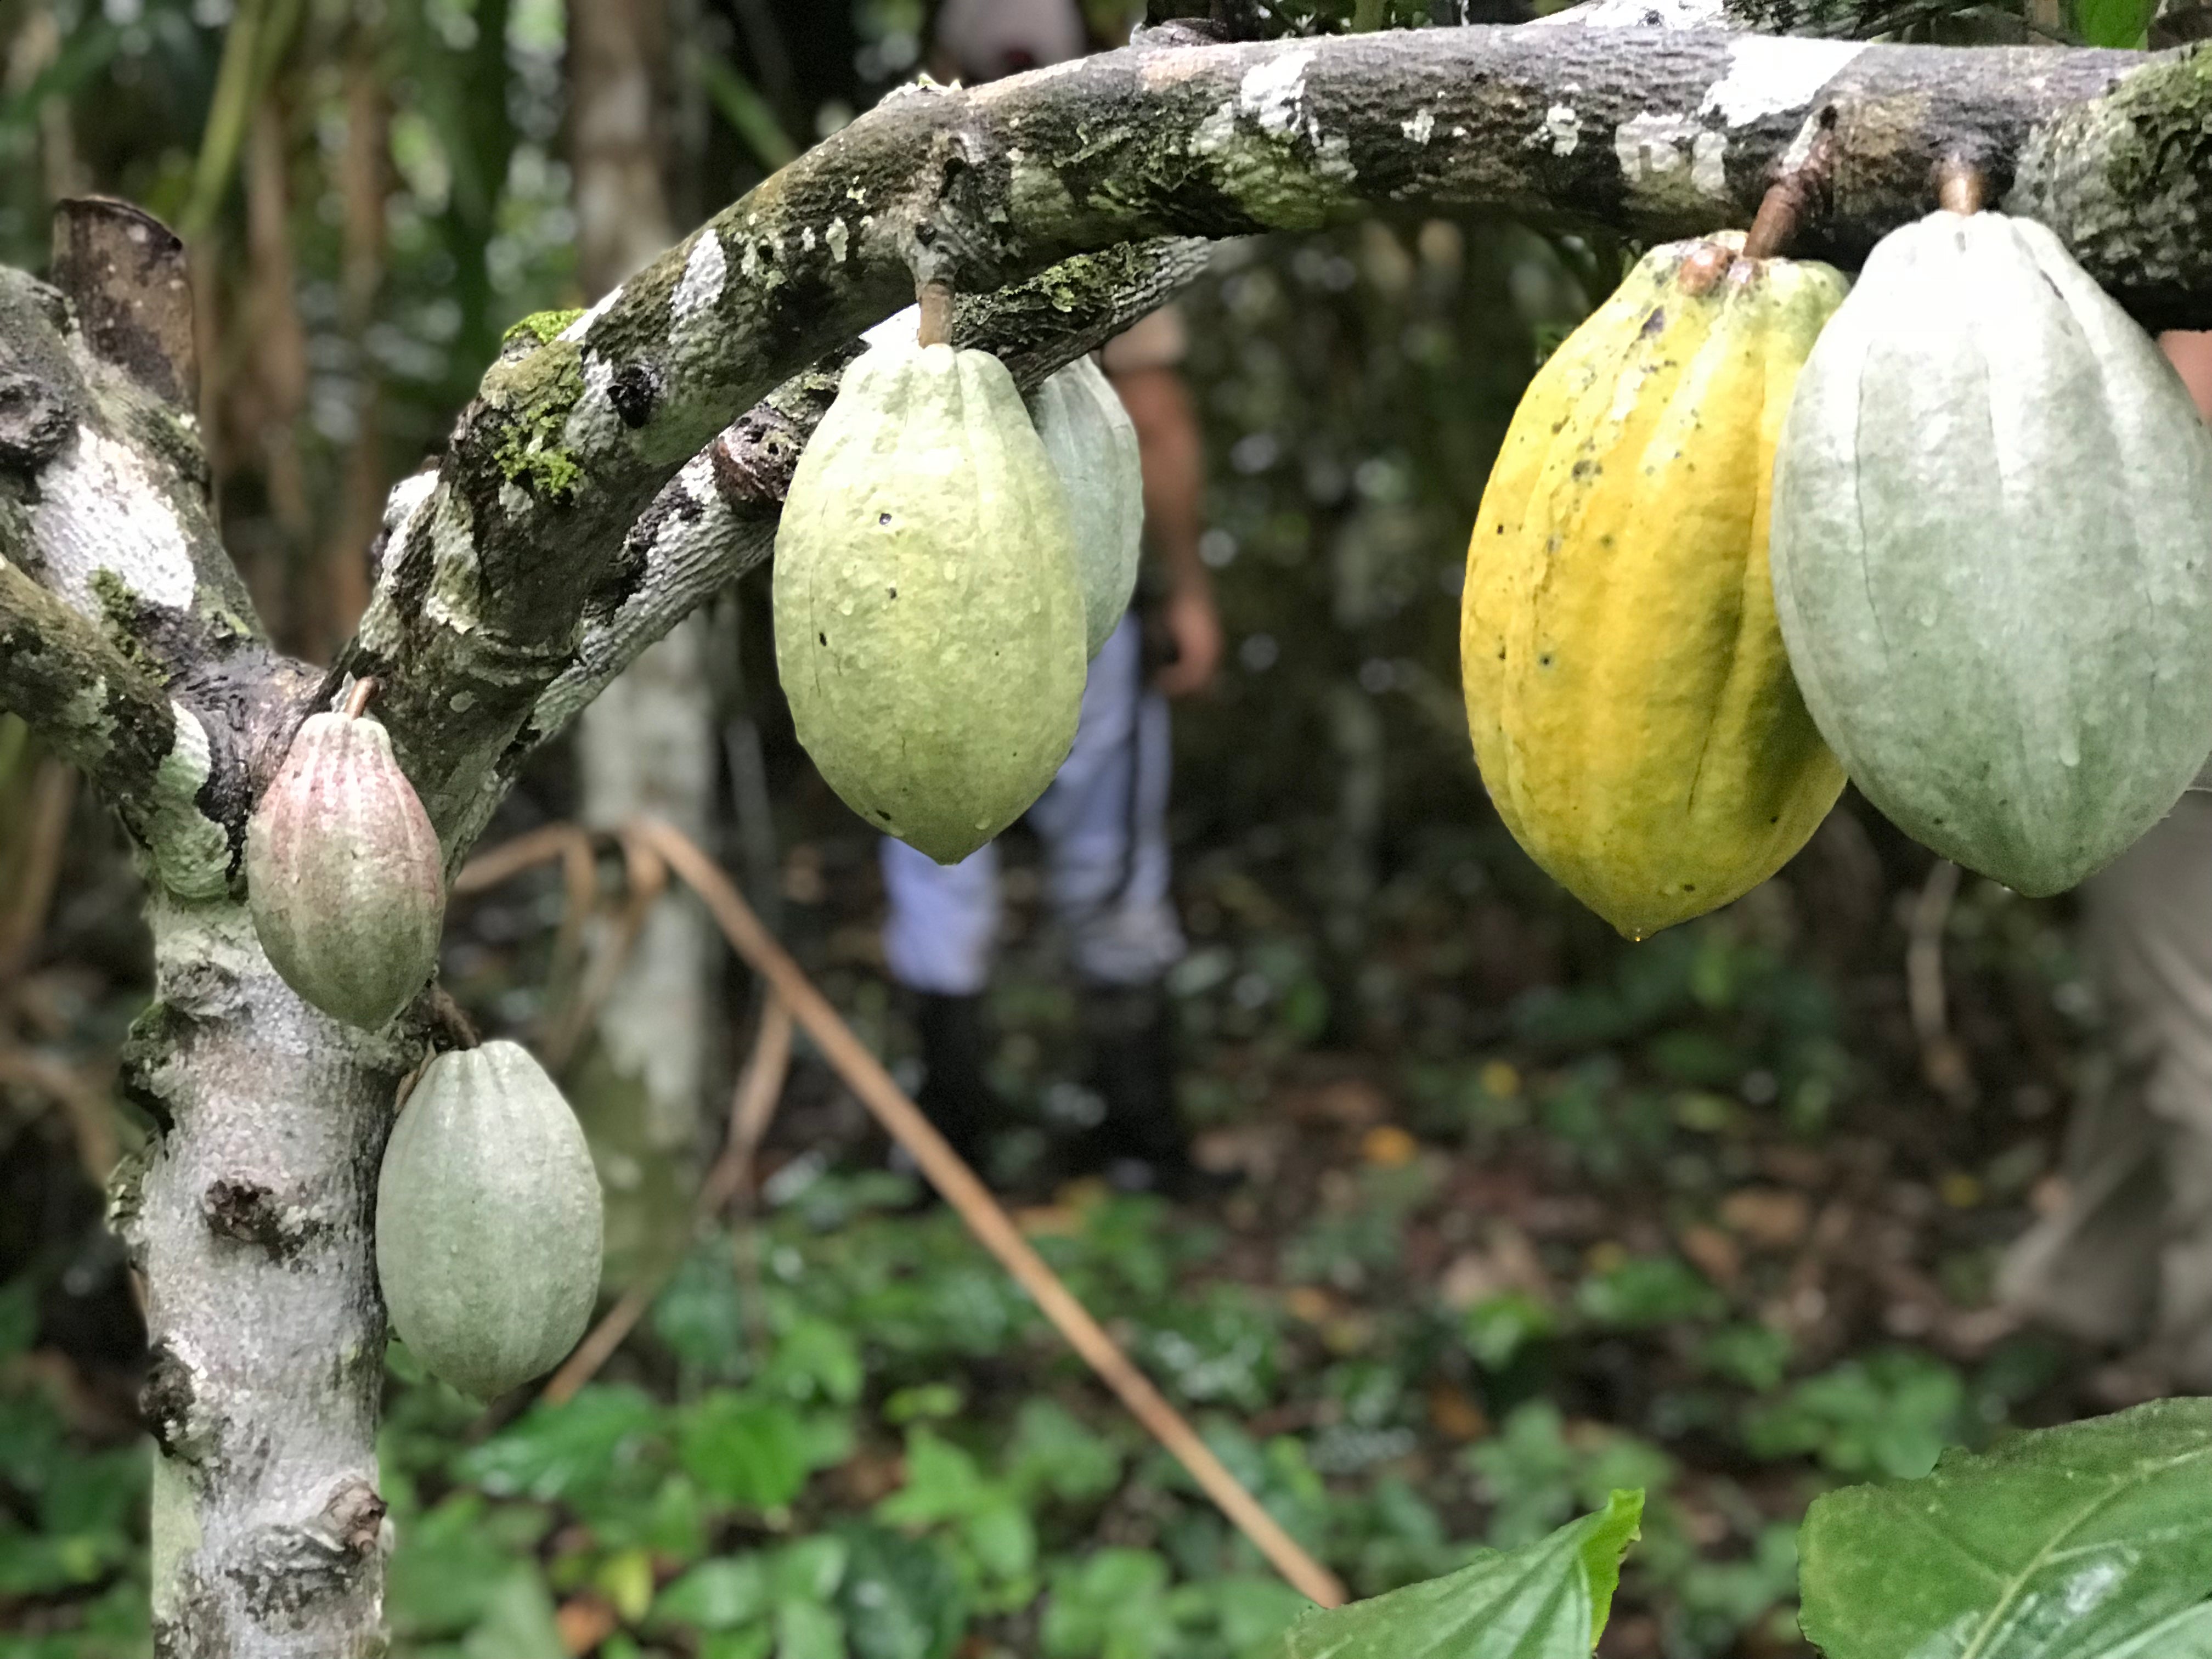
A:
(2091, 1541)
(2123, 23)
(1547, 1600)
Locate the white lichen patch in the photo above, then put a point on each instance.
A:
(450, 601)
(1420, 125)
(576, 331)
(705, 269)
(84, 716)
(593, 428)
(99, 509)
(404, 501)
(836, 238)
(1274, 93)
(1770, 76)
(1247, 138)
(1672, 159)
(1562, 131)
(191, 851)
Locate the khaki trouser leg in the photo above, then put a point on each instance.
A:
(2129, 1256)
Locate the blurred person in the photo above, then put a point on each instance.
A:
(2124, 1258)
(1104, 820)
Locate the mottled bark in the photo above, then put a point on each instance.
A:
(127, 637)
(249, 1215)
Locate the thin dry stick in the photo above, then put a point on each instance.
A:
(510, 859)
(865, 1075)
(648, 879)
(580, 877)
(53, 793)
(1943, 1062)
(760, 1086)
(84, 1100)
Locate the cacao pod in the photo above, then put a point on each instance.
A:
(1093, 446)
(929, 629)
(344, 876)
(1632, 710)
(489, 1221)
(1993, 518)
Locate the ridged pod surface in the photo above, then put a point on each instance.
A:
(929, 627)
(344, 876)
(1993, 523)
(1093, 446)
(1631, 708)
(489, 1221)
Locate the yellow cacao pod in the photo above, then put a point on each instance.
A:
(1631, 706)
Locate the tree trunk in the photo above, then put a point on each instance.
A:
(250, 1215)
(648, 744)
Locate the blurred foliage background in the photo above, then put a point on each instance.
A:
(1530, 1213)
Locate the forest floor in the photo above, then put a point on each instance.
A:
(1524, 1216)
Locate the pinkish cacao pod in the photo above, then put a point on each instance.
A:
(342, 873)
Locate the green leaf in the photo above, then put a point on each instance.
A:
(745, 1451)
(1649, 1290)
(901, 1597)
(2080, 1542)
(1549, 1600)
(553, 1449)
(18, 1317)
(716, 1595)
(1114, 1606)
(1891, 1413)
(808, 1630)
(2121, 23)
(943, 1483)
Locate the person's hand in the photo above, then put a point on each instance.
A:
(1194, 627)
(2192, 355)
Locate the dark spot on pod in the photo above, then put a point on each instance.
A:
(822, 639)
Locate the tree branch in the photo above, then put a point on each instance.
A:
(110, 716)
(1655, 133)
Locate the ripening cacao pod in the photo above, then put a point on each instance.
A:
(1093, 446)
(929, 628)
(1993, 521)
(342, 873)
(1632, 710)
(488, 1223)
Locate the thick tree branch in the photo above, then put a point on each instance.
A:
(110, 715)
(1655, 133)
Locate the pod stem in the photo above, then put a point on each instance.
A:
(356, 702)
(936, 298)
(1790, 199)
(1960, 186)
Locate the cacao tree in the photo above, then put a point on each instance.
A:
(618, 468)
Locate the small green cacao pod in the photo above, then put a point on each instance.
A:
(488, 1223)
(929, 627)
(1093, 446)
(342, 873)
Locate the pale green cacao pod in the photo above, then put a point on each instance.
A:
(1992, 527)
(1093, 446)
(929, 628)
(343, 876)
(488, 1221)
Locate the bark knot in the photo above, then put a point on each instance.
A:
(253, 1214)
